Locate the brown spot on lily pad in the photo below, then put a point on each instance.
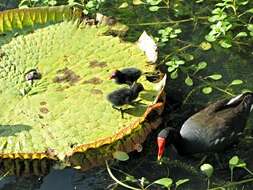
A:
(96, 91)
(43, 103)
(40, 116)
(44, 110)
(94, 80)
(96, 63)
(66, 75)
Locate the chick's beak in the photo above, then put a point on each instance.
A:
(161, 147)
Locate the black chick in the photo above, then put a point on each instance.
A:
(124, 96)
(126, 76)
(32, 75)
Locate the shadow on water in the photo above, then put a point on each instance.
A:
(12, 130)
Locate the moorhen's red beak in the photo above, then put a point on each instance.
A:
(161, 147)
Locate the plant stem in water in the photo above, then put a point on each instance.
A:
(118, 181)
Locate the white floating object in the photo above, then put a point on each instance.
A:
(148, 45)
(234, 99)
(161, 84)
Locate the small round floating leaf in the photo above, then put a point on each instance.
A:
(207, 169)
(137, 2)
(241, 34)
(131, 178)
(215, 76)
(241, 164)
(154, 8)
(250, 11)
(120, 155)
(188, 81)
(166, 182)
(123, 5)
(174, 74)
(202, 65)
(205, 46)
(210, 38)
(225, 43)
(207, 90)
(181, 181)
(233, 161)
(188, 57)
(236, 82)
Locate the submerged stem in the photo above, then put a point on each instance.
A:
(118, 181)
(167, 22)
(233, 184)
(250, 172)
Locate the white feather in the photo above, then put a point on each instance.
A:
(234, 99)
(148, 46)
(161, 84)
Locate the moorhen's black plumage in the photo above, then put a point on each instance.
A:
(126, 76)
(124, 96)
(211, 129)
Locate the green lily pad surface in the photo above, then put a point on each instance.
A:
(67, 107)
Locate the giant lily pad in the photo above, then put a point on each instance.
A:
(65, 115)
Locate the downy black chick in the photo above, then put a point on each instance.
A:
(124, 96)
(126, 76)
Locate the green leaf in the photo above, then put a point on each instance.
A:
(225, 43)
(154, 2)
(242, 2)
(154, 8)
(123, 5)
(236, 82)
(250, 27)
(215, 76)
(177, 31)
(179, 62)
(131, 178)
(207, 90)
(241, 164)
(188, 57)
(137, 2)
(250, 10)
(207, 169)
(174, 74)
(205, 46)
(188, 81)
(120, 155)
(241, 34)
(233, 161)
(181, 181)
(202, 65)
(210, 38)
(166, 182)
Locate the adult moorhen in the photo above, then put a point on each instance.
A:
(210, 130)
(126, 76)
